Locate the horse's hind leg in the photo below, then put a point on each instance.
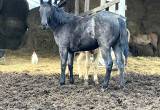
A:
(70, 66)
(120, 62)
(63, 55)
(106, 54)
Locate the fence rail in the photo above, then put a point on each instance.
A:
(102, 7)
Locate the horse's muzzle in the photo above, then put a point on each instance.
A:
(44, 27)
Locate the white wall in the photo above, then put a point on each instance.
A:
(122, 8)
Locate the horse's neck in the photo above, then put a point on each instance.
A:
(59, 18)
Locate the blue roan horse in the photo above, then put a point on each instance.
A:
(74, 33)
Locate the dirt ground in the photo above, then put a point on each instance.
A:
(42, 92)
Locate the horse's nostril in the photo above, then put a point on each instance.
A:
(43, 27)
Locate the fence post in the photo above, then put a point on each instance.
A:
(122, 7)
(102, 2)
(76, 7)
(112, 8)
(86, 6)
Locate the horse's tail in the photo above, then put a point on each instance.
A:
(124, 37)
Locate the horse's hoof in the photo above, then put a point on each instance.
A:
(104, 85)
(71, 81)
(86, 83)
(62, 83)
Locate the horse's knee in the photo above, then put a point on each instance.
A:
(70, 66)
(120, 63)
(109, 65)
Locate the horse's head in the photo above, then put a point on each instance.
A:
(45, 12)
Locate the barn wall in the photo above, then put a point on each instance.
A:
(13, 23)
(142, 18)
(38, 39)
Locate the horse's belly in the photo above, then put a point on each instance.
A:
(88, 44)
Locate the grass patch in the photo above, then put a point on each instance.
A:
(20, 63)
(144, 65)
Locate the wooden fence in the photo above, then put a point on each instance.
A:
(116, 6)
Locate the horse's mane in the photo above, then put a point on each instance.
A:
(60, 17)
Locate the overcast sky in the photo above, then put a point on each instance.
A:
(35, 3)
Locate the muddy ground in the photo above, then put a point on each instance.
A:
(42, 92)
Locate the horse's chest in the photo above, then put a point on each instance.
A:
(62, 41)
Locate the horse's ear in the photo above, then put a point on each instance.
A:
(50, 2)
(41, 1)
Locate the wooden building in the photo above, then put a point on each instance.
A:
(116, 6)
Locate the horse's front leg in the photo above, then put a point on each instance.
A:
(63, 55)
(70, 66)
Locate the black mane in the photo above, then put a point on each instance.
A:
(60, 17)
